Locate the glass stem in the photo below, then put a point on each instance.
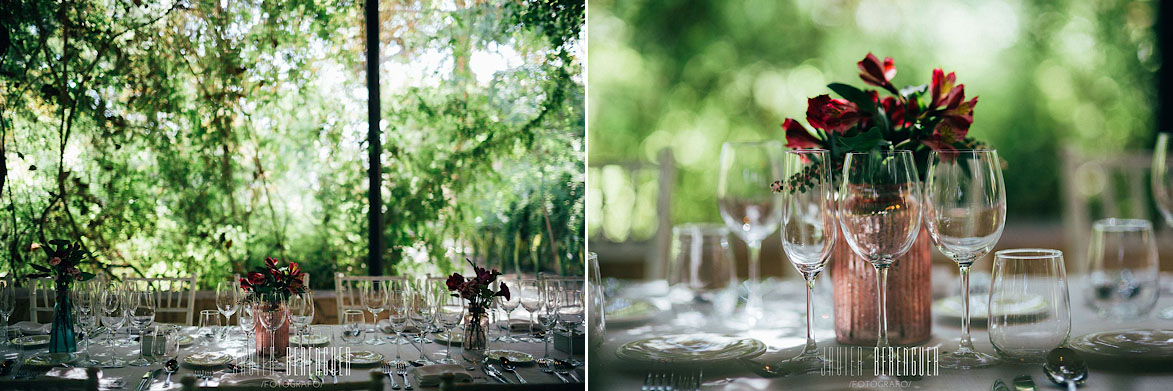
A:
(810, 316)
(531, 325)
(753, 301)
(398, 347)
(882, 303)
(966, 342)
(570, 343)
(548, 334)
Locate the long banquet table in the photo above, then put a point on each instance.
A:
(131, 375)
(786, 334)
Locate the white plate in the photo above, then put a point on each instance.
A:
(512, 355)
(691, 348)
(457, 337)
(27, 327)
(207, 359)
(624, 311)
(1136, 349)
(50, 359)
(950, 307)
(360, 357)
(30, 341)
(185, 340)
(308, 340)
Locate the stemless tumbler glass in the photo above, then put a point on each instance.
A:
(1122, 269)
(703, 264)
(880, 214)
(1030, 313)
(965, 211)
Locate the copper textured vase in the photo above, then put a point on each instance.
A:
(910, 295)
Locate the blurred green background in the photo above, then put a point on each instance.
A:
(689, 75)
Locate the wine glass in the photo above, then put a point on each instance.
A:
(549, 313)
(226, 299)
(1162, 184)
(113, 318)
(1030, 313)
(423, 313)
(747, 205)
(529, 294)
(301, 312)
(809, 232)
(450, 312)
(272, 313)
(247, 323)
(142, 314)
(1122, 269)
(571, 307)
(398, 307)
(352, 326)
(374, 298)
(7, 305)
(880, 215)
(965, 211)
(87, 319)
(508, 305)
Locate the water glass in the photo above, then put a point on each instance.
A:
(702, 263)
(352, 326)
(596, 320)
(1029, 312)
(209, 324)
(1122, 269)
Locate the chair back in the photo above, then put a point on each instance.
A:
(347, 290)
(636, 200)
(173, 295)
(42, 296)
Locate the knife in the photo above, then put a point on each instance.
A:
(143, 383)
(492, 372)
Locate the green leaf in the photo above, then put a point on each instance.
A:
(860, 98)
(870, 140)
(41, 268)
(86, 276)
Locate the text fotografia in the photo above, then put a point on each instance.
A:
(893, 361)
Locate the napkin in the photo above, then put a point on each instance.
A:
(27, 327)
(430, 375)
(522, 325)
(104, 382)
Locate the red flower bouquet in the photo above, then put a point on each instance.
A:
(281, 280)
(477, 290)
(64, 258)
(920, 119)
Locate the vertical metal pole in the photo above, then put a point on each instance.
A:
(375, 147)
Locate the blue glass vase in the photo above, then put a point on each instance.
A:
(61, 337)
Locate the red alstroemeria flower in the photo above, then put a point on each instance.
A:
(244, 284)
(271, 262)
(504, 291)
(294, 269)
(936, 143)
(73, 271)
(54, 261)
(895, 110)
(797, 137)
(942, 89)
(454, 281)
(255, 278)
(878, 74)
(486, 277)
(832, 115)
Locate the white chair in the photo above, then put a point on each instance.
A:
(42, 297)
(174, 295)
(632, 232)
(347, 289)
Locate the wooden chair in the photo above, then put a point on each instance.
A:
(347, 289)
(375, 384)
(45, 383)
(173, 295)
(621, 190)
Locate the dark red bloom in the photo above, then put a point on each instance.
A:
(454, 281)
(797, 136)
(832, 115)
(504, 291)
(270, 262)
(878, 74)
(486, 277)
(294, 269)
(244, 284)
(942, 91)
(255, 278)
(895, 110)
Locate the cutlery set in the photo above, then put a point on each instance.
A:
(673, 381)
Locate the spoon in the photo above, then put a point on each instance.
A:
(511, 367)
(763, 370)
(171, 366)
(1065, 367)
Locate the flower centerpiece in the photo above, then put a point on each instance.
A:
(268, 291)
(921, 119)
(479, 293)
(64, 258)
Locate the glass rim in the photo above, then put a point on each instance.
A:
(807, 150)
(1028, 254)
(1113, 224)
(967, 150)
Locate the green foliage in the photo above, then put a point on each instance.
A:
(175, 138)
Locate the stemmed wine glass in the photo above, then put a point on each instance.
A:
(529, 293)
(423, 313)
(809, 232)
(570, 313)
(965, 211)
(747, 206)
(508, 305)
(113, 318)
(7, 305)
(880, 215)
(374, 298)
(398, 307)
(450, 312)
(301, 313)
(226, 299)
(549, 314)
(142, 314)
(247, 323)
(1162, 183)
(87, 318)
(272, 312)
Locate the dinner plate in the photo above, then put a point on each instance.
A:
(27, 327)
(30, 341)
(630, 311)
(185, 340)
(50, 359)
(360, 357)
(457, 337)
(1127, 349)
(691, 348)
(950, 307)
(512, 355)
(308, 340)
(207, 359)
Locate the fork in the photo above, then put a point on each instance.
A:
(390, 372)
(545, 367)
(403, 372)
(205, 376)
(565, 372)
